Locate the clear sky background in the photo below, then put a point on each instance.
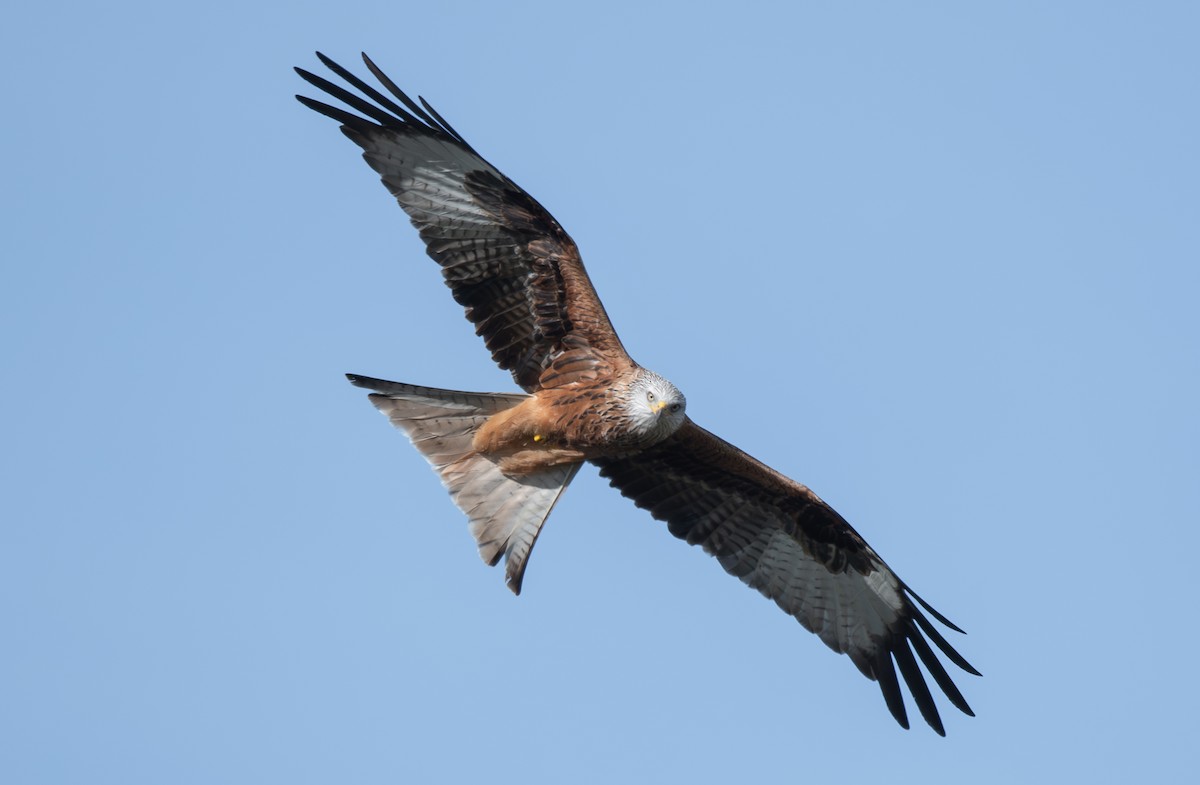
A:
(938, 263)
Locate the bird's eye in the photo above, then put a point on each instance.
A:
(650, 397)
(675, 407)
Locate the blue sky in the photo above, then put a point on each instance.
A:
(938, 263)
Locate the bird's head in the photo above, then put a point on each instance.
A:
(655, 406)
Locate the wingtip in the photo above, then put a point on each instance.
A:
(917, 686)
(369, 63)
(933, 611)
(889, 685)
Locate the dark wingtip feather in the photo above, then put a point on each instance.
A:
(347, 119)
(350, 99)
(395, 90)
(441, 120)
(942, 643)
(917, 686)
(885, 674)
(371, 92)
(934, 612)
(938, 671)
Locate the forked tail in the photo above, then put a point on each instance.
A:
(506, 513)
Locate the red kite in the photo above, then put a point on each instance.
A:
(506, 458)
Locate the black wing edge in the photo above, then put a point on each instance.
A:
(904, 641)
(405, 116)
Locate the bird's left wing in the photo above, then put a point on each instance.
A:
(781, 539)
(504, 257)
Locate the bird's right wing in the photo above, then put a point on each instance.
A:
(504, 257)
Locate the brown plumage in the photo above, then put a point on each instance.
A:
(507, 458)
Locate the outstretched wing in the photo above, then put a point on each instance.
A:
(504, 257)
(780, 538)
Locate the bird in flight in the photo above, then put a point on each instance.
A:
(506, 458)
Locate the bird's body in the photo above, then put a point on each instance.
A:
(506, 458)
(587, 421)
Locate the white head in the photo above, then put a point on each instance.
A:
(654, 406)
